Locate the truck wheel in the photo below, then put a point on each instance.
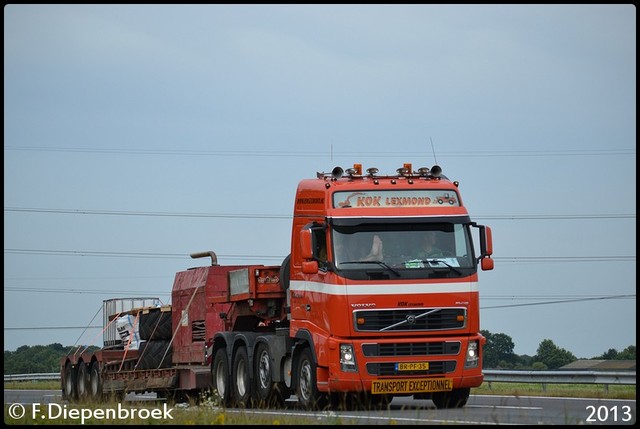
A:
(82, 382)
(220, 374)
(263, 373)
(70, 382)
(309, 398)
(241, 379)
(285, 272)
(95, 382)
(268, 393)
(457, 398)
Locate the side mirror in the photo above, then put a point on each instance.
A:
(306, 244)
(486, 241)
(489, 239)
(486, 264)
(486, 247)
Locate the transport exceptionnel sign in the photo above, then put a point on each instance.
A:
(396, 199)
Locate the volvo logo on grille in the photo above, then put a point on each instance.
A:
(411, 319)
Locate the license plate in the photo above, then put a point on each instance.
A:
(412, 366)
(411, 385)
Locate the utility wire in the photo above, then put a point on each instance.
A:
(633, 296)
(511, 259)
(130, 254)
(34, 328)
(564, 301)
(308, 154)
(78, 291)
(142, 213)
(282, 216)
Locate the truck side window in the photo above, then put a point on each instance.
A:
(320, 246)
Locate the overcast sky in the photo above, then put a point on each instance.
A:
(135, 135)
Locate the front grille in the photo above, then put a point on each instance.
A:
(389, 368)
(412, 349)
(415, 319)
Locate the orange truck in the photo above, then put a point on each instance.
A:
(364, 308)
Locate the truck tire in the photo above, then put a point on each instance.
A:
(267, 392)
(70, 391)
(241, 380)
(154, 355)
(82, 382)
(220, 377)
(309, 398)
(285, 272)
(155, 325)
(95, 383)
(457, 398)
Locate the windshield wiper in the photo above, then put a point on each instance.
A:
(439, 261)
(393, 270)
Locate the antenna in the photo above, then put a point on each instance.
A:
(434, 151)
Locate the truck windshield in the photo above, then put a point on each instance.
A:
(406, 250)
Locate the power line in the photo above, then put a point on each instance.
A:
(129, 254)
(557, 217)
(610, 297)
(308, 154)
(34, 328)
(512, 259)
(538, 297)
(534, 259)
(79, 291)
(47, 279)
(282, 216)
(564, 301)
(120, 293)
(95, 253)
(142, 213)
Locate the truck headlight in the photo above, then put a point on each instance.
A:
(473, 355)
(347, 358)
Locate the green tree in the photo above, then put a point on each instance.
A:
(612, 354)
(553, 356)
(609, 355)
(538, 366)
(35, 359)
(498, 351)
(627, 354)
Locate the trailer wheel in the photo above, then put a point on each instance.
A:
(70, 382)
(241, 380)
(309, 398)
(95, 382)
(220, 374)
(82, 382)
(457, 398)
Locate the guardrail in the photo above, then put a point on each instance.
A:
(32, 377)
(490, 375)
(564, 377)
(560, 377)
